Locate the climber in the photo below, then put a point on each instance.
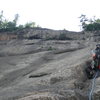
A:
(96, 58)
(95, 65)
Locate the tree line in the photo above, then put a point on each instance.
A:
(91, 24)
(6, 25)
(87, 24)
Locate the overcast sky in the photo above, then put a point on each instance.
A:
(53, 14)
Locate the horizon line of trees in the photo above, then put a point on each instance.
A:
(6, 25)
(91, 24)
(87, 24)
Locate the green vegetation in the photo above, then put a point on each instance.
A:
(51, 48)
(63, 36)
(30, 25)
(6, 25)
(87, 24)
(91, 24)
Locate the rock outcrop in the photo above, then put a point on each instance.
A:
(44, 69)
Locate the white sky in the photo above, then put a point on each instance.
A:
(53, 14)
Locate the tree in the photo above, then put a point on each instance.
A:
(91, 24)
(83, 20)
(16, 19)
(6, 25)
(11, 25)
(20, 27)
(30, 25)
(1, 19)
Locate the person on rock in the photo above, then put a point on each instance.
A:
(96, 58)
(95, 65)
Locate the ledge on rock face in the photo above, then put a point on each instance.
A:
(44, 96)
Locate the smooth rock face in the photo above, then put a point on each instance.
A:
(38, 69)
